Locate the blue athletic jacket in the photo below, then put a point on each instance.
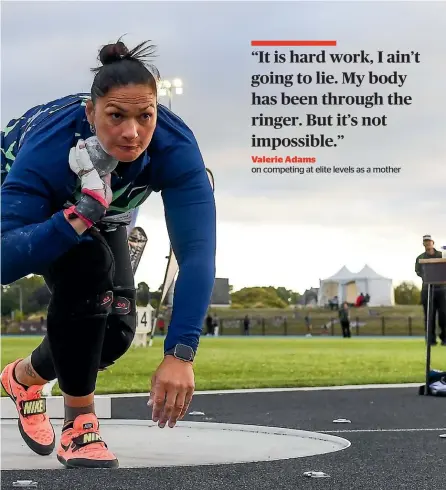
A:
(37, 182)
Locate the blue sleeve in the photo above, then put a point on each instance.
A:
(34, 231)
(191, 222)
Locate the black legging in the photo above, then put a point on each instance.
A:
(345, 325)
(439, 308)
(83, 336)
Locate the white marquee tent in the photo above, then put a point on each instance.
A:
(347, 285)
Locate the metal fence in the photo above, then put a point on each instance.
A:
(372, 325)
(26, 327)
(280, 325)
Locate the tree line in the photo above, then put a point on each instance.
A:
(406, 293)
(32, 294)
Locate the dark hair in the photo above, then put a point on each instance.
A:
(122, 67)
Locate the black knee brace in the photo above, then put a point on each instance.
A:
(79, 312)
(121, 326)
(75, 328)
(98, 304)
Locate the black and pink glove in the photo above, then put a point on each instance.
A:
(95, 182)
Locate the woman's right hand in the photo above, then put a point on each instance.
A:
(81, 164)
(96, 191)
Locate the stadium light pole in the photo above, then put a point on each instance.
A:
(169, 87)
(17, 286)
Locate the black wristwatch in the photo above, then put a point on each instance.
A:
(182, 352)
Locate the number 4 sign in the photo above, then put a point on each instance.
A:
(144, 318)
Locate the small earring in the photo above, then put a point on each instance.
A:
(92, 128)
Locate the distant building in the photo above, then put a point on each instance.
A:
(309, 298)
(221, 296)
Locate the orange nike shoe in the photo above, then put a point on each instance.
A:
(82, 446)
(34, 425)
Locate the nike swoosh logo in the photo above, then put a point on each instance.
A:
(65, 448)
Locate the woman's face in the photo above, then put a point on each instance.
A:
(124, 120)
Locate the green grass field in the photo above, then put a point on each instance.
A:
(246, 362)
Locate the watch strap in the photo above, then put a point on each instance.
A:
(182, 352)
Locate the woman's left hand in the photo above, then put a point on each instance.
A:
(172, 388)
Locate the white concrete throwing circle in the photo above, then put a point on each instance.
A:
(142, 444)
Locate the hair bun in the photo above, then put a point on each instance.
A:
(113, 52)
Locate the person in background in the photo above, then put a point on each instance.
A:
(344, 319)
(161, 324)
(359, 300)
(215, 325)
(308, 325)
(209, 325)
(439, 293)
(246, 324)
(334, 303)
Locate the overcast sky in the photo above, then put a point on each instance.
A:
(283, 230)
